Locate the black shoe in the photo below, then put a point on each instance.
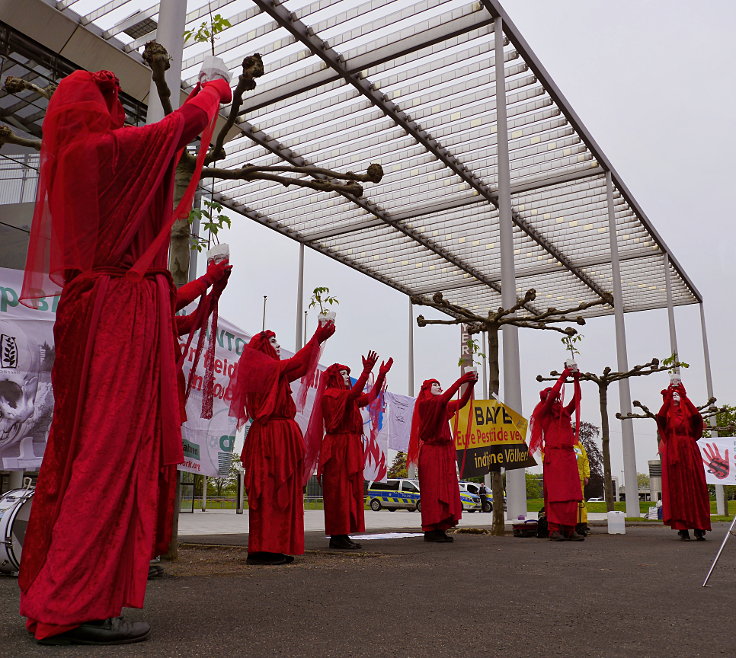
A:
(355, 543)
(155, 571)
(115, 630)
(684, 535)
(699, 535)
(556, 536)
(439, 536)
(268, 559)
(575, 537)
(343, 542)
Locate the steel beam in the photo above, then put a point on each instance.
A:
(336, 62)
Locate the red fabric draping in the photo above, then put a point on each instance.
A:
(685, 500)
(438, 483)
(552, 432)
(273, 454)
(105, 490)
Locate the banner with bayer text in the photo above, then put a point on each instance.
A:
(489, 436)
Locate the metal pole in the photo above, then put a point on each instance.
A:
(515, 480)
(624, 391)
(720, 491)
(263, 324)
(485, 366)
(300, 299)
(172, 18)
(304, 337)
(239, 495)
(670, 308)
(410, 381)
(204, 494)
(720, 550)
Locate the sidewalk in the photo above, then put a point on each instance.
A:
(637, 594)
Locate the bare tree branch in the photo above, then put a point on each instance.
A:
(7, 136)
(156, 56)
(252, 69)
(15, 85)
(314, 184)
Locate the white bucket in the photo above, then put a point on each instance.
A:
(616, 523)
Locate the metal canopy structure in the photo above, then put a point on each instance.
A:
(412, 85)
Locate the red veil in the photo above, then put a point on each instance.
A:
(426, 419)
(329, 379)
(95, 176)
(544, 408)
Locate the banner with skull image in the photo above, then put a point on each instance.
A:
(26, 357)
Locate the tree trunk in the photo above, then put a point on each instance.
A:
(179, 266)
(603, 397)
(498, 526)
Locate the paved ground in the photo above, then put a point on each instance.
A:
(637, 594)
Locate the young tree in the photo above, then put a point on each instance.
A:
(492, 324)
(398, 467)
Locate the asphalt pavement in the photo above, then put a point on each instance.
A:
(637, 594)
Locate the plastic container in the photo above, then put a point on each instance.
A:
(616, 523)
(327, 316)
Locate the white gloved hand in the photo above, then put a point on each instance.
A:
(213, 68)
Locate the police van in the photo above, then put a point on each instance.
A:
(402, 493)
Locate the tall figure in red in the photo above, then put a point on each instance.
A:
(552, 432)
(432, 448)
(273, 454)
(341, 456)
(100, 237)
(685, 500)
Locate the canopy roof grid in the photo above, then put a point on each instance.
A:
(411, 85)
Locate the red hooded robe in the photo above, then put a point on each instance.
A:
(103, 501)
(432, 448)
(685, 500)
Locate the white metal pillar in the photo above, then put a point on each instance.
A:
(172, 18)
(624, 392)
(300, 300)
(486, 395)
(410, 379)
(720, 494)
(670, 308)
(515, 479)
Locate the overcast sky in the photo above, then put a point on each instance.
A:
(652, 83)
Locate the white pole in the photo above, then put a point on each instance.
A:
(515, 479)
(410, 380)
(485, 366)
(670, 308)
(300, 299)
(624, 392)
(171, 23)
(720, 491)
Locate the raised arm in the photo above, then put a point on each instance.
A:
(190, 291)
(368, 362)
(576, 394)
(661, 415)
(547, 404)
(367, 398)
(455, 405)
(298, 365)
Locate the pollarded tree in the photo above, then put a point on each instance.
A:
(491, 324)
(316, 178)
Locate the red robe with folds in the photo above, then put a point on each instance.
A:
(685, 500)
(438, 483)
(273, 458)
(105, 490)
(341, 457)
(562, 491)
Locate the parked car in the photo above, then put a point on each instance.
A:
(402, 493)
(474, 488)
(395, 493)
(596, 500)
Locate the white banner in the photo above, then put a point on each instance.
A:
(719, 459)
(26, 357)
(399, 409)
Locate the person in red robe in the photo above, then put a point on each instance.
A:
(432, 448)
(685, 500)
(99, 237)
(341, 457)
(552, 433)
(273, 453)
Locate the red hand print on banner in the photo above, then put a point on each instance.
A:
(716, 464)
